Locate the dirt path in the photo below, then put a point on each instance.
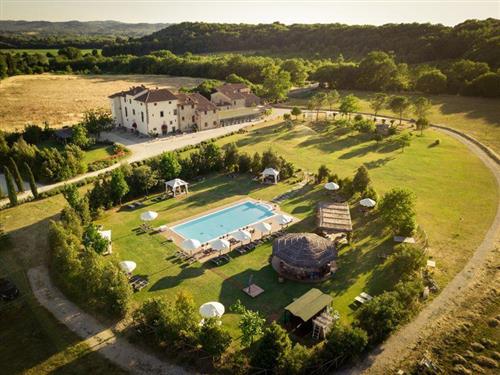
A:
(98, 337)
(382, 360)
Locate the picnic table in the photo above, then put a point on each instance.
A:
(138, 282)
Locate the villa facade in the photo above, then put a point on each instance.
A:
(159, 111)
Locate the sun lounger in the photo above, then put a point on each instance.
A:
(359, 300)
(366, 296)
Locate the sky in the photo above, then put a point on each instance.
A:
(376, 12)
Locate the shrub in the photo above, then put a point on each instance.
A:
(407, 259)
(272, 350)
(343, 344)
(361, 180)
(398, 210)
(213, 338)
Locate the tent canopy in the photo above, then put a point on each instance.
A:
(309, 304)
(270, 172)
(220, 244)
(263, 227)
(175, 183)
(190, 244)
(241, 235)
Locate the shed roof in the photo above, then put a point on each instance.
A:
(334, 216)
(309, 304)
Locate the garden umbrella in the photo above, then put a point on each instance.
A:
(220, 245)
(283, 219)
(190, 244)
(262, 227)
(367, 202)
(127, 266)
(331, 186)
(241, 235)
(212, 310)
(149, 215)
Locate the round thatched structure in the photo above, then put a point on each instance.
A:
(304, 257)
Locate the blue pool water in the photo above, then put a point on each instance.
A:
(216, 224)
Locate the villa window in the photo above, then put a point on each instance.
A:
(169, 102)
(215, 122)
(155, 106)
(192, 106)
(161, 113)
(206, 124)
(170, 122)
(130, 101)
(234, 102)
(182, 107)
(214, 110)
(142, 116)
(205, 112)
(182, 118)
(133, 111)
(175, 112)
(192, 119)
(126, 112)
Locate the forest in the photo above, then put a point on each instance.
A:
(271, 77)
(410, 43)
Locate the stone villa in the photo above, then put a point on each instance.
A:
(159, 111)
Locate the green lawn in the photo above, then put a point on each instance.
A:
(95, 153)
(478, 117)
(446, 179)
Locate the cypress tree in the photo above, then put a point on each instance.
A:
(34, 188)
(1, 192)
(17, 175)
(11, 188)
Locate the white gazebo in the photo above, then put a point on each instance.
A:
(176, 186)
(190, 245)
(367, 202)
(241, 235)
(271, 174)
(220, 245)
(263, 228)
(106, 234)
(332, 186)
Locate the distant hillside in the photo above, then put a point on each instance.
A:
(45, 28)
(93, 34)
(473, 39)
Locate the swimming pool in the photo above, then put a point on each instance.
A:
(212, 226)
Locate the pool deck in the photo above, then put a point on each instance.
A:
(177, 239)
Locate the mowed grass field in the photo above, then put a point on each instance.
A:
(478, 117)
(445, 215)
(456, 196)
(62, 99)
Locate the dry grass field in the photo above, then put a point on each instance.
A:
(61, 99)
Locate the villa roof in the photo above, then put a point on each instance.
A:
(156, 95)
(233, 91)
(133, 91)
(334, 216)
(309, 304)
(202, 103)
(304, 250)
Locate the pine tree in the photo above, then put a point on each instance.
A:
(11, 188)
(361, 180)
(17, 175)
(34, 188)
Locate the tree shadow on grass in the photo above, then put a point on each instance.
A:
(378, 163)
(360, 151)
(173, 281)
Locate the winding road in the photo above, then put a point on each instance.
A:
(379, 361)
